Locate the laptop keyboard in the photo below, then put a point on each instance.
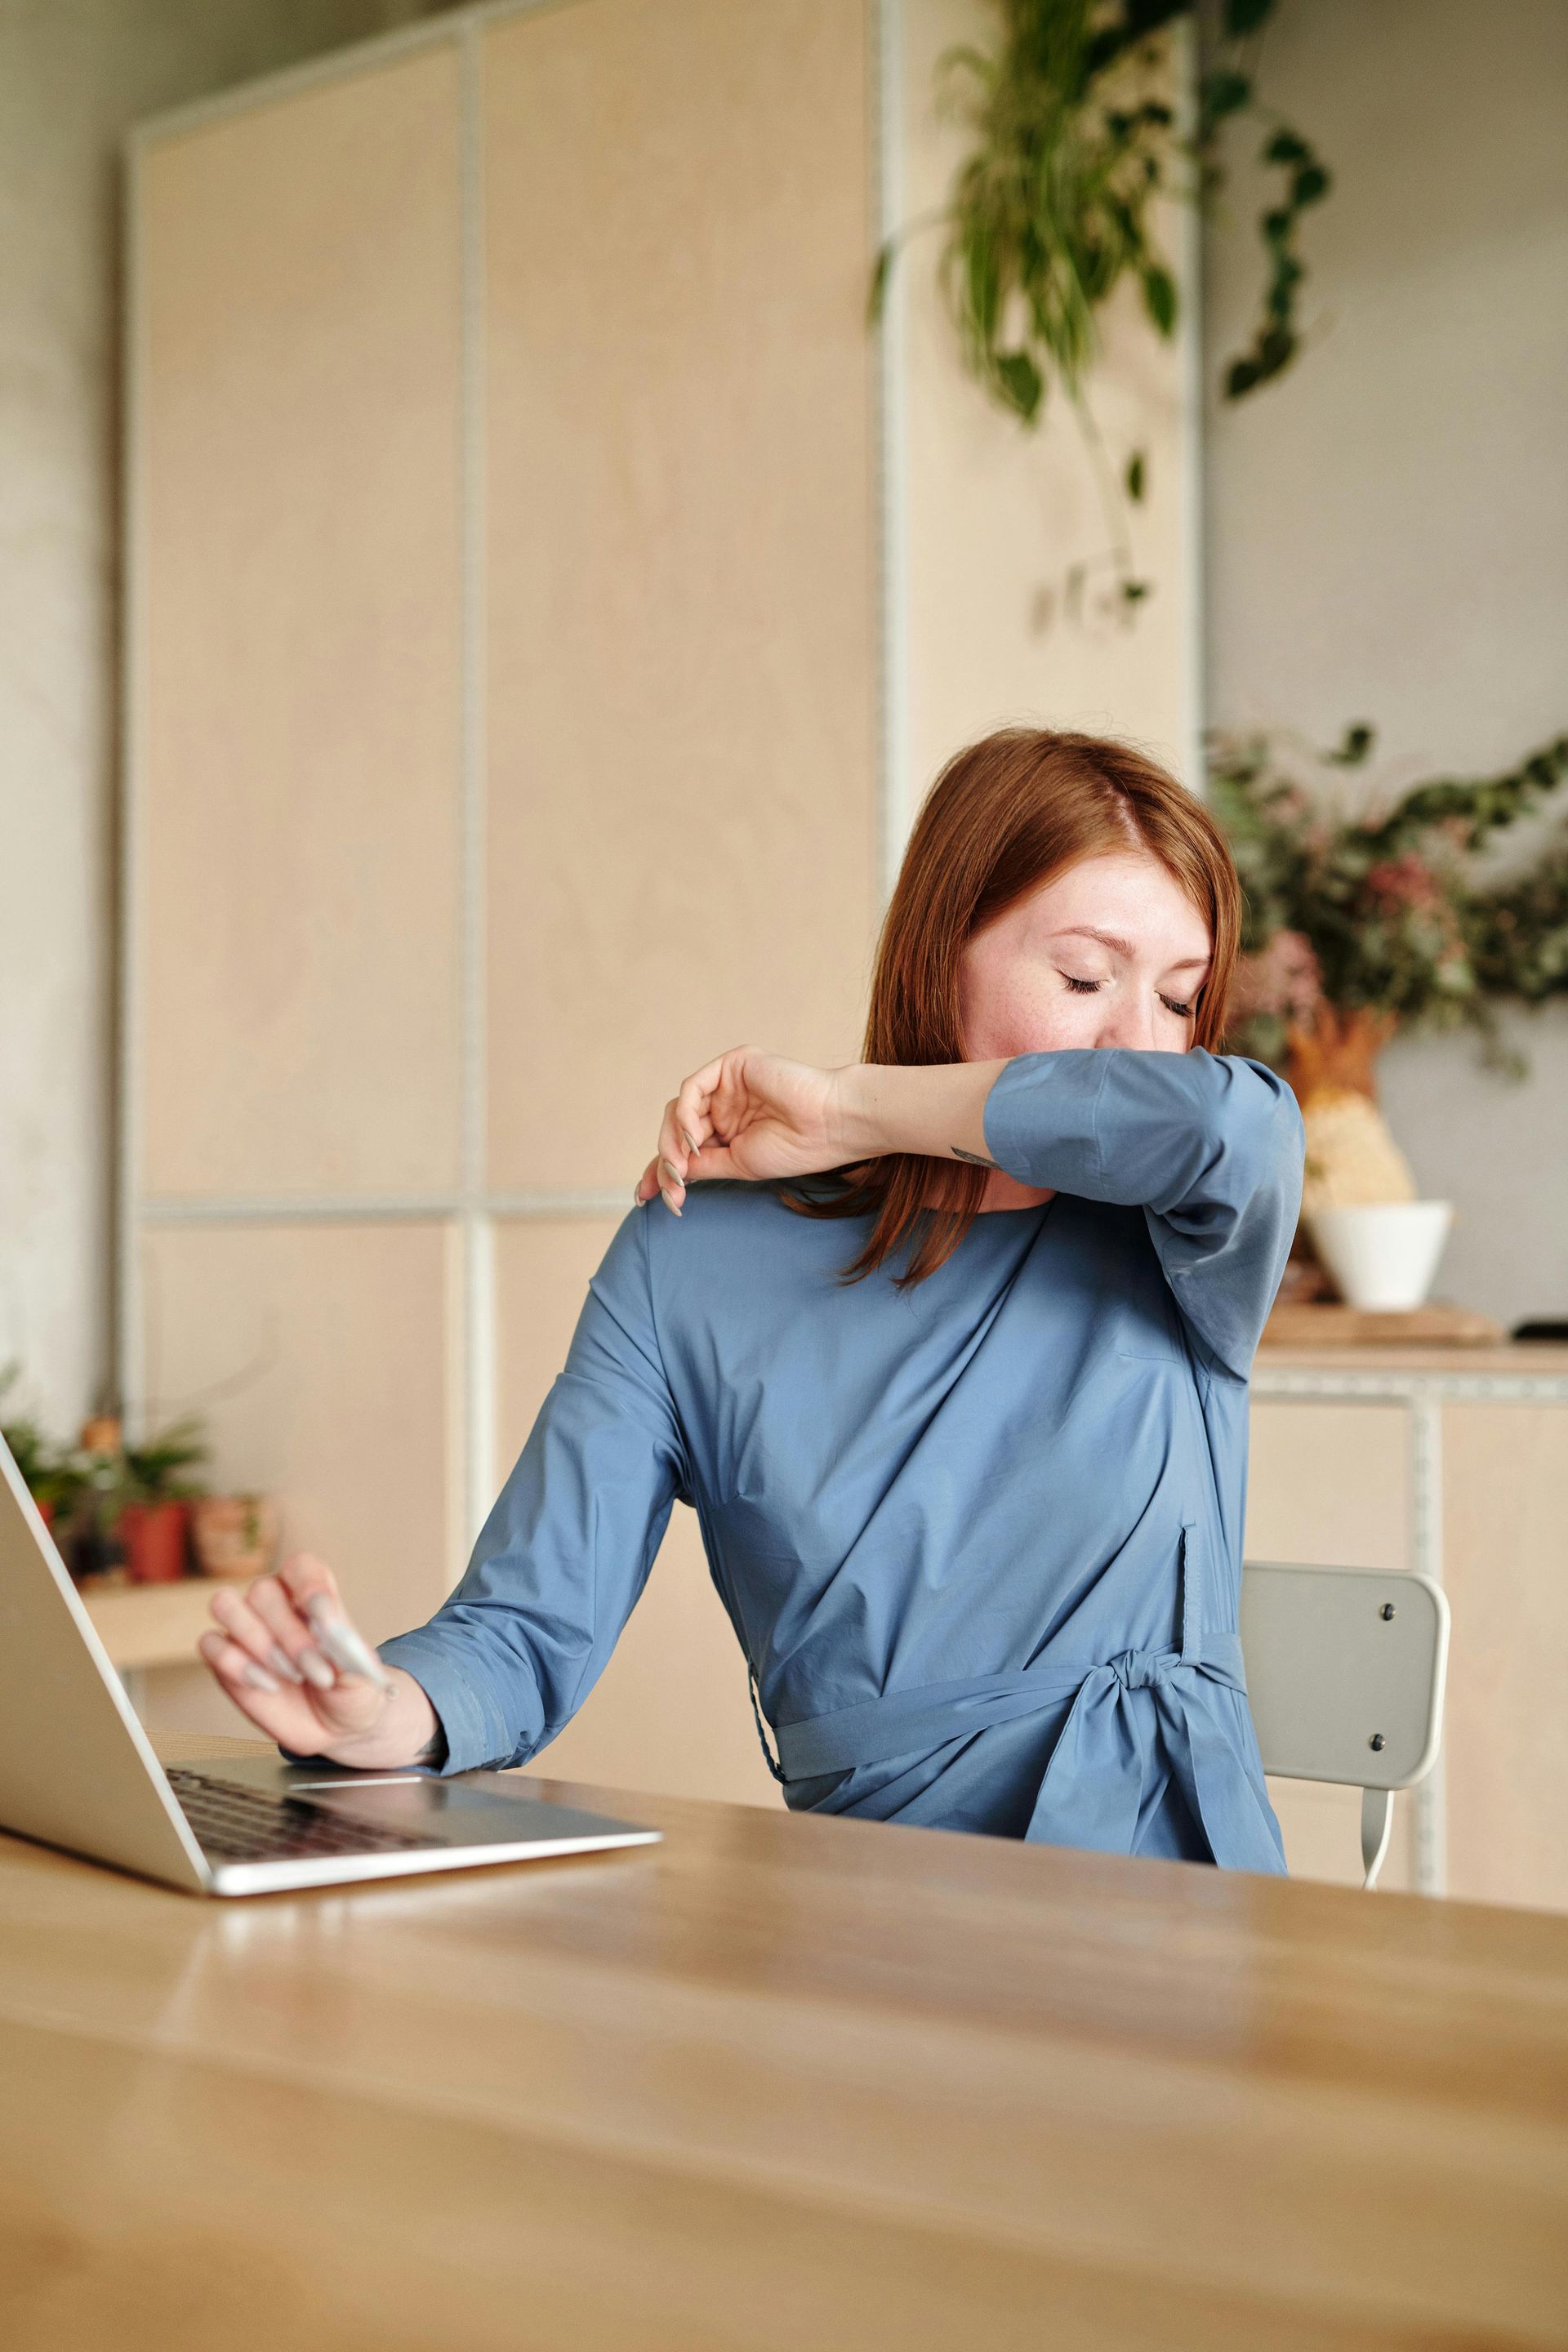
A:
(236, 1824)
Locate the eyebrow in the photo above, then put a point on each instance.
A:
(1125, 947)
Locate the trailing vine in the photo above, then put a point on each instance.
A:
(1074, 140)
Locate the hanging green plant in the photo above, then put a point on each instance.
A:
(1074, 140)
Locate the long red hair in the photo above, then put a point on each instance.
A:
(1003, 817)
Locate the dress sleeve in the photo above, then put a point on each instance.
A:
(1209, 1146)
(563, 1556)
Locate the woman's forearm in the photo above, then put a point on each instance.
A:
(935, 1110)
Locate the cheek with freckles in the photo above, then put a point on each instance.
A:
(1011, 1006)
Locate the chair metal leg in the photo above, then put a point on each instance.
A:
(1376, 1824)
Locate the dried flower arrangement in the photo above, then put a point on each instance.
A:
(1364, 916)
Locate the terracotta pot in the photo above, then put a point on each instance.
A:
(155, 1537)
(236, 1534)
(1339, 1051)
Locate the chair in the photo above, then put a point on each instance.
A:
(1344, 1670)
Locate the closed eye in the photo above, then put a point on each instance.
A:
(1182, 1012)
(1080, 987)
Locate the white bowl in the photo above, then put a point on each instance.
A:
(1382, 1258)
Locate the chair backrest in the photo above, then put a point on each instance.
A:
(1344, 1672)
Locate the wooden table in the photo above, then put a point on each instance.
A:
(785, 2084)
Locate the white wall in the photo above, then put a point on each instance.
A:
(1387, 526)
(73, 75)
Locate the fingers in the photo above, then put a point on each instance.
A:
(305, 1575)
(278, 1708)
(271, 1602)
(647, 1187)
(286, 1653)
(691, 1145)
(691, 1112)
(249, 1632)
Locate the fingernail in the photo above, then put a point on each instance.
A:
(259, 1678)
(280, 1661)
(669, 1201)
(316, 1670)
(676, 1176)
(691, 1147)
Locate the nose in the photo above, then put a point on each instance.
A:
(1128, 1020)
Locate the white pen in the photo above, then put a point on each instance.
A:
(348, 1651)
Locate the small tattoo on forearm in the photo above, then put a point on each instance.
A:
(976, 1158)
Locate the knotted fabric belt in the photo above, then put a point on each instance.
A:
(1105, 1759)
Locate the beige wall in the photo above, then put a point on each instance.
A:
(71, 80)
(1387, 526)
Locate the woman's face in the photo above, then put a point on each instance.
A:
(1111, 952)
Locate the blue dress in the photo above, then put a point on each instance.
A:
(980, 1540)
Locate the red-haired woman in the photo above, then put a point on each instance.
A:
(949, 1351)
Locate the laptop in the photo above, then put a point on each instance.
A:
(77, 1771)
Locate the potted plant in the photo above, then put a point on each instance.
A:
(235, 1535)
(152, 1499)
(52, 1475)
(1363, 919)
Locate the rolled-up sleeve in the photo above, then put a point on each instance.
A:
(563, 1556)
(1209, 1146)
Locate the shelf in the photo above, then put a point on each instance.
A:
(153, 1624)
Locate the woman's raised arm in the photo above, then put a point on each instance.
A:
(757, 1115)
(1210, 1146)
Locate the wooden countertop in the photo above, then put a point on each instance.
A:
(1517, 1361)
(152, 1624)
(791, 2084)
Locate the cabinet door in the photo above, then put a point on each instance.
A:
(681, 538)
(1505, 1541)
(296, 644)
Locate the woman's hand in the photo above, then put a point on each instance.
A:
(750, 1114)
(270, 1656)
(756, 1115)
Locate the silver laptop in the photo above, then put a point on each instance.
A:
(77, 1771)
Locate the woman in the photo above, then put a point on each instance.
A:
(949, 1351)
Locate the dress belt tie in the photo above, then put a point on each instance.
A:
(1104, 1760)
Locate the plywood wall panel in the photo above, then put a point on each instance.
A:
(681, 532)
(298, 581)
(1505, 1501)
(670, 1712)
(318, 1355)
(1329, 1484)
